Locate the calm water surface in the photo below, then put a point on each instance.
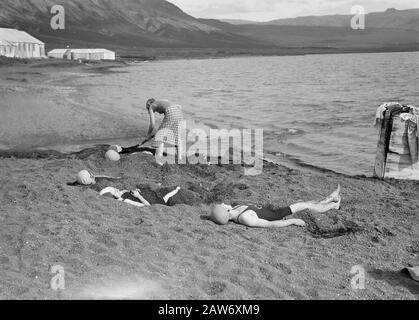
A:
(316, 109)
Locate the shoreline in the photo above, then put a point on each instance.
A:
(181, 54)
(198, 53)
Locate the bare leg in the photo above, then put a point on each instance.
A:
(137, 194)
(316, 207)
(334, 197)
(179, 153)
(133, 203)
(113, 191)
(171, 195)
(159, 154)
(286, 223)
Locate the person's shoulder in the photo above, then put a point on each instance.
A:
(108, 195)
(247, 214)
(248, 218)
(163, 103)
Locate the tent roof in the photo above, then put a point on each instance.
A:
(58, 51)
(16, 36)
(62, 51)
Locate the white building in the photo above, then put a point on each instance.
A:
(83, 54)
(19, 44)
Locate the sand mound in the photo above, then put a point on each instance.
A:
(115, 251)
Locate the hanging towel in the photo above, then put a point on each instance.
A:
(379, 115)
(412, 120)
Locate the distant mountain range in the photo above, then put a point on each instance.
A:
(132, 25)
(300, 36)
(391, 19)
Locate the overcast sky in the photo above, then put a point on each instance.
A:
(264, 10)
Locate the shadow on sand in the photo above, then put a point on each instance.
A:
(396, 279)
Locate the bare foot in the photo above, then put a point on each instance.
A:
(299, 223)
(136, 193)
(334, 197)
(338, 203)
(159, 163)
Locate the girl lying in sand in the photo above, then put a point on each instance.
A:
(136, 199)
(135, 149)
(86, 178)
(263, 217)
(148, 195)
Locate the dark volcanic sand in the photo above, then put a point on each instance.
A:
(112, 250)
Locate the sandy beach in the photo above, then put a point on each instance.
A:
(109, 249)
(58, 112)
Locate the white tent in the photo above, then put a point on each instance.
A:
(58, 53)
(83, 54)
(19, 44)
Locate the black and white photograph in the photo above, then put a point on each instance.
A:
(226, 152)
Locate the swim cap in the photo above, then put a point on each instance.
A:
(220, 215)
(85, 178)
(112, 155)
(115, 148)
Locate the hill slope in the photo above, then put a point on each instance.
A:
(124, 22)
(391, 19)
(394, 29)
(150, 27)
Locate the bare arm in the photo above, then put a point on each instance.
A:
(162, 104)
(137, 194)
(289, 222)
(137, 204)
(159, 106)
(152, 121)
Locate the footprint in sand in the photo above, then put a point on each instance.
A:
(214, 288)
(107, 240)
(282, 267)
(97, 248)
(17, 291)
(313, 293)
(267, 274)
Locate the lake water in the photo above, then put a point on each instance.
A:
(316, 109)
